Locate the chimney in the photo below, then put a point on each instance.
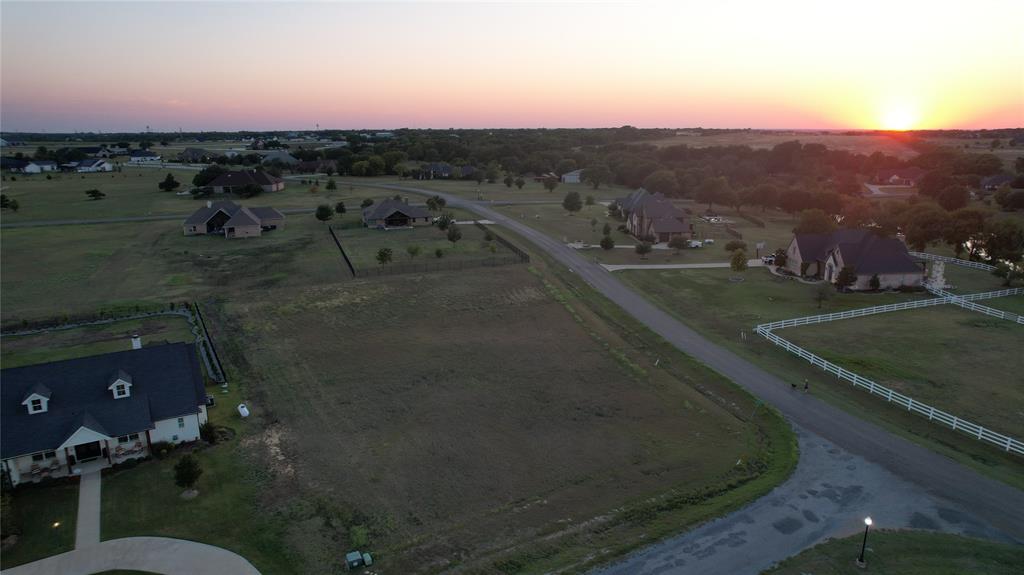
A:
(209, 203)
(136, 342)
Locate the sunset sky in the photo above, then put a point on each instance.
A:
(91, 66)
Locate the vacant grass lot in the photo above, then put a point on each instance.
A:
(425, 418)
(1012, 304)
(81, 269)
(907, 553)
(948, 357)
(36, 508)
(708, 301)
(362, 243)
(56, 345)
(134, 192)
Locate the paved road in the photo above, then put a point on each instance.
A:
(149, 554)
(991, 504)
(87, 526)
(827, 496)
(707, 265)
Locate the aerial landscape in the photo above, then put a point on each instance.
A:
(511, 287)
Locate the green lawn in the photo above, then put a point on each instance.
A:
(1012, 304)
(906, 553)
(134, 192)
(362, 244)
(44, 516)
(228, 511)
(720, 309)
(948, 357)
(56, 345)
(52, 271)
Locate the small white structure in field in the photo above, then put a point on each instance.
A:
(937, 276)
(243, 410)
(136, 342)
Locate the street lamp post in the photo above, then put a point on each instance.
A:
(860, 560)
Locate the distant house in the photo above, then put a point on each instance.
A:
(195, 155)
(143, 157)
(98, 411)
(902, 177)
(115, 150)
(653, 216)
(39, 166)
(91, 165)
(392, 213)
(235, 180)
(232, 220)
(280, 156)
(866, 252)
(995, 182)
(573, 177)
(434, 170)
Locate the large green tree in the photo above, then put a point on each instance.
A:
(572, 202)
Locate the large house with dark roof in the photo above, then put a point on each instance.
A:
(901, 177)
(867, 253)
(235, 180)
(232, 220)
(98, 410)
(652, 216)
(392, 213)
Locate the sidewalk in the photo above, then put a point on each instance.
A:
(618, 267)
(87, 529)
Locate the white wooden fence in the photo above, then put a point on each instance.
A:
(956, 261)
(967, 302)
(1006, 442)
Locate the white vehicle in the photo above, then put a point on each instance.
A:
(696, 244)
(709, 241)
(768, 260)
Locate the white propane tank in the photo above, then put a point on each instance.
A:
(243, 410)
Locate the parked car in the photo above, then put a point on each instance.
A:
(768, 260)
(696, 244)
(709, 241)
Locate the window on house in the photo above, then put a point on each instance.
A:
(133, 437)
(122, 439)
(37, 405)
(174, 438)
(120, 390)
(181, 423)
(50, 454)
(37, 457)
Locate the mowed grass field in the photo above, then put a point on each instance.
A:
(720, 309)
(956, 360)
(362, 243)
(906, 553)
(134, 192)
(861, 144)
(427, 419)
(18, 350)
(531, 192)
(51, 271)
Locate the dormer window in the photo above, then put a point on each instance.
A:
(120, 385)
(37, 399)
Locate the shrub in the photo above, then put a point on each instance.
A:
(734, 245)
(160, 449)
(187, 471)
(607, 243)
(208, 433)
(438, 253)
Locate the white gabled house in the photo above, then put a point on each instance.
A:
(99, 410)
(89, 165)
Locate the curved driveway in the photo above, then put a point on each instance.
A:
(151, 554)
(994, 507)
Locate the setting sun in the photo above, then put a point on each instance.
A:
(899, 117)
